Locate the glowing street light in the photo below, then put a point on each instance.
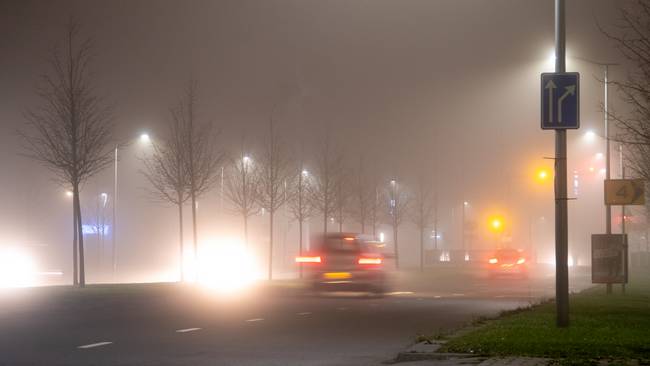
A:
(145, 138)
(590, 135)
(542, 174)
(69, 193)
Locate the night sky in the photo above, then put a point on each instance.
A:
(446, 86)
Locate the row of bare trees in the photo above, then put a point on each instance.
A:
(70, 133)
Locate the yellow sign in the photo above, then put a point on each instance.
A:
(625, 192)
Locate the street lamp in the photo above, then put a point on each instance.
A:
(462, 227)
(144, 138)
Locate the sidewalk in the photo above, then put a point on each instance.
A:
(426, 353)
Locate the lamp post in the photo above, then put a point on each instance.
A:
(144, 138)
(608, 208)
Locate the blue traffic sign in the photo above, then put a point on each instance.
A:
(560, 101)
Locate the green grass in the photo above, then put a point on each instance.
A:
(615, 327)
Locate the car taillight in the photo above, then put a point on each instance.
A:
(369, 261)
(314, 259)
(521, 260)
(493, 261)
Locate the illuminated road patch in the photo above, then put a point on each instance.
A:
(255, 320)
(187, 330)
(304, 313)
(93, 345)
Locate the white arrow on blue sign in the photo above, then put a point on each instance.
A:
(560, 101)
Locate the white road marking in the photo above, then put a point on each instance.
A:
(187, 330)
(455, 294)
(93, 345)
(437, 296)
(401, 293)
(304, 313)
(255, 320)
(342, 309)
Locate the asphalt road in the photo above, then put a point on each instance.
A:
(169, 324)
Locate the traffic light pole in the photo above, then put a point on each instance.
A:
(561, 210)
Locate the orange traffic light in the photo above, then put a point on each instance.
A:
(495, 224)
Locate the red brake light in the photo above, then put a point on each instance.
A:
(493, 261)
(369, 261)
(315, 259)
(348, 238)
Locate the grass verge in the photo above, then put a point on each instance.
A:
(602, 326)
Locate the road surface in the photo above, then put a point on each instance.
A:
(169, 324)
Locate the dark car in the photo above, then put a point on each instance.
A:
(508, 262)
(345, 262)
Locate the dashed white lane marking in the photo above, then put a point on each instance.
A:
(93, 345)
(304, 313)
(456, 294)
(401, 293)
(342, 309)
(187, 330)
(254, 320)
(437, 296)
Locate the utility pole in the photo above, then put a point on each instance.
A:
(608, 208)
(561, 209)
(620, 156)
(114, 231)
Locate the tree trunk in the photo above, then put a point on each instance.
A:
(396, 246)
(422, 249)
(363, 227)
(270, 245)
(325, 222)
(300, 244)
(82, 269)
(246, 231)
(180, 246)
(75, 241)
(195, 241)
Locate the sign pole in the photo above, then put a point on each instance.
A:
(561, 210)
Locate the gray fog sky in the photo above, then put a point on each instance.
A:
(450, 86)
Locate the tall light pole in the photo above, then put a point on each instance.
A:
(608, 208)
(144, 137)
(114, 231)
(561, 209)
(462, 228)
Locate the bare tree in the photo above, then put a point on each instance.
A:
(300, 207)
(202, 159)
(274, 171)
(165, 171)
(423, 210)
(632, 37)
(342, 195)
(70, 131)
(398, 206)
(363, 196)
(323, 190)
(242, 188)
